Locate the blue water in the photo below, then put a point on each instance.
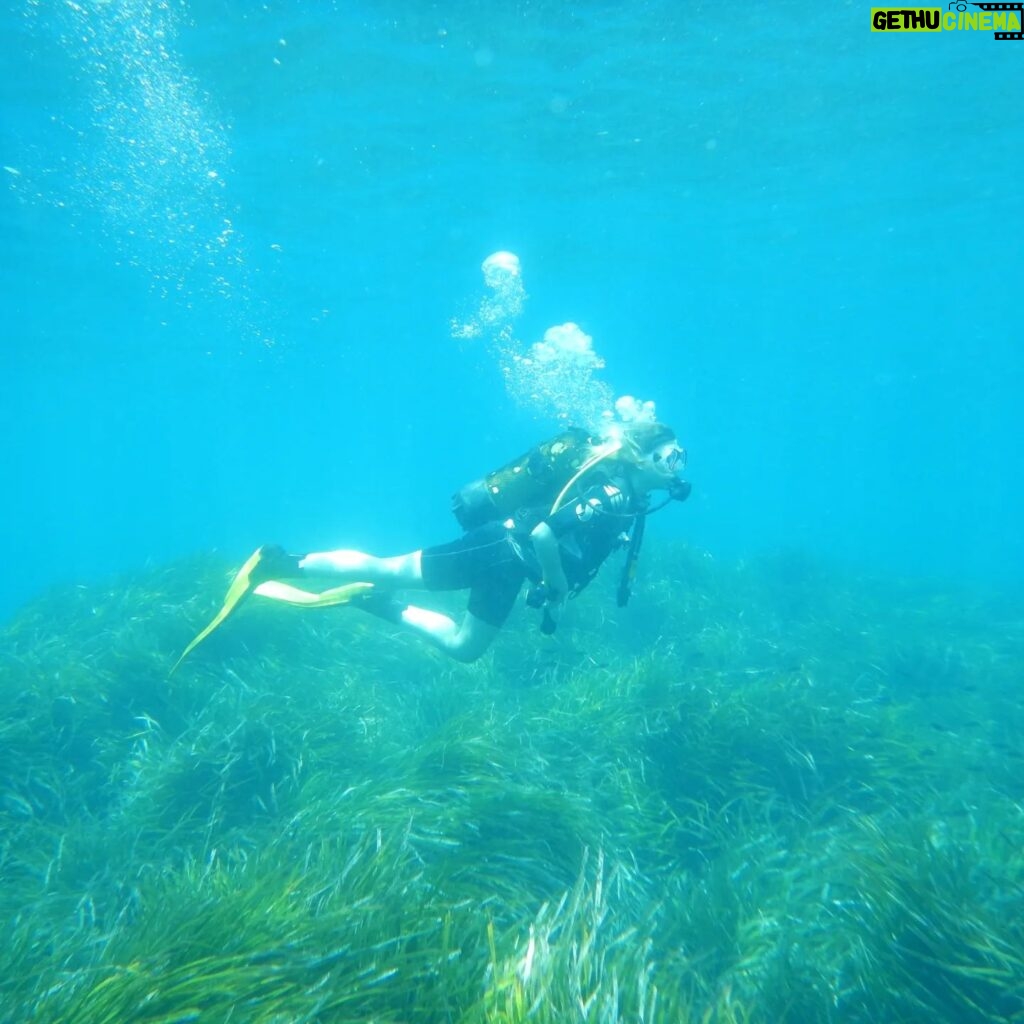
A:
(235, 240)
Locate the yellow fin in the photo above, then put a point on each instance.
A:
(275, 590)
(238, 589)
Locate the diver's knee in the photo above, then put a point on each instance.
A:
(466, 654)
(472, 640)
(404, 570)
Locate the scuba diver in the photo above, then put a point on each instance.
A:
(550, 518)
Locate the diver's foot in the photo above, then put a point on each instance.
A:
(274, 563)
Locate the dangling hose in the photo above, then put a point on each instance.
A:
(632, 554)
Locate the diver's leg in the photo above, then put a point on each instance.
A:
(472, 639)
(464, 641)
(348, 566)
(489, 606)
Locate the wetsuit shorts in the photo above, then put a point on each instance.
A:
(486, 562)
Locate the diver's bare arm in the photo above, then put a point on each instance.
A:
(545, 543)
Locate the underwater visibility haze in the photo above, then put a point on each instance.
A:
(295, 272)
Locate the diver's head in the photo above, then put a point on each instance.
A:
(654, 455)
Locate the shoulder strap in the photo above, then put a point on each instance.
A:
(601, 453)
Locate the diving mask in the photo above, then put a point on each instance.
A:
(669, 457)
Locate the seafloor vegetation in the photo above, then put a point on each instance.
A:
(761, 793)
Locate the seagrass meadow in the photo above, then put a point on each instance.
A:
(764, 792)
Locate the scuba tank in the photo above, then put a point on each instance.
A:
(535, 479)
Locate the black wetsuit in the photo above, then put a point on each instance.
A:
(493, 561)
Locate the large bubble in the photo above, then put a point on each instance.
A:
(501, 270)
(555, 378)
(632, 410)
(496, 312)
